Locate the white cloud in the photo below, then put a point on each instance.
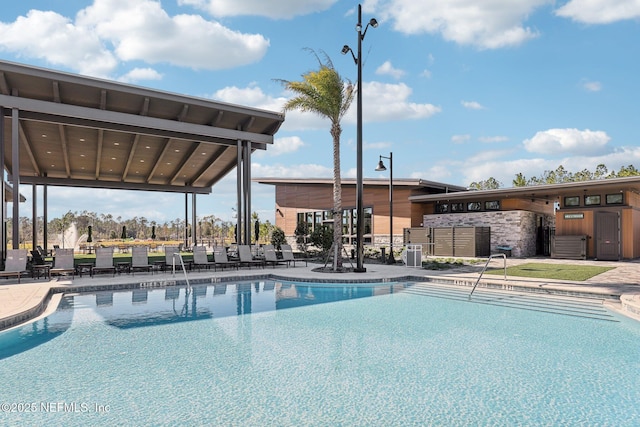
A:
(138, 74)
(555, 141)
(459, 139)
(600, 11)
(492, 139)
(290, 171)
(288, 144)
(488, 24)
(142, 30)
(389, 70)
(387, 102)
(592, 86)
(110, 31)
(281, 9)
(472, 105)
(48, 36)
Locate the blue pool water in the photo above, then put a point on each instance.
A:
(274, 353)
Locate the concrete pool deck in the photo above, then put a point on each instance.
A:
(619, 287)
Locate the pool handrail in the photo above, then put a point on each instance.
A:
(184, 270)
(485, 268)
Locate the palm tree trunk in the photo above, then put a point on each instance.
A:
(337, 199)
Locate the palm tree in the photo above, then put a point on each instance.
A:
(326, 94)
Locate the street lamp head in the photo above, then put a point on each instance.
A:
(345, 49)
(381, 167)
(373, 22)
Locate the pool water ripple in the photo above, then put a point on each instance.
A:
(392, 359)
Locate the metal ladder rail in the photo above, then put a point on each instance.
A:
(485, 268)
(184, 270)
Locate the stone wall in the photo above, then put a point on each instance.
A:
(516, 229)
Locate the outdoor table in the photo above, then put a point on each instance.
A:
(42, 270)
(123, 267)
(85, 267)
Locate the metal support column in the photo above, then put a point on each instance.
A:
(239, 192)
(194, 230)
(15, 181)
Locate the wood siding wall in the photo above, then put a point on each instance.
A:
(294, 199)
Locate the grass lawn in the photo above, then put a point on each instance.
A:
(552, 271)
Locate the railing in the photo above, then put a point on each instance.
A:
(184, 270)
(485, 268)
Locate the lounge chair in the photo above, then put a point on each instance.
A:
(15, 264)
(63, 263)
(200, 258)
(270, 256)
(287, 255)
(104, 261)
(221, 260)
(246, 258)
(140, 259)
(169, 252)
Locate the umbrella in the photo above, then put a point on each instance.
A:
(257, 230)
(153, 232)
(89, 238)
(124, 232)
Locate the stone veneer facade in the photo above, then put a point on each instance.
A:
(516, 229)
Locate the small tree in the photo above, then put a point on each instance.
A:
(278, 238)
(302, 236)
(322, 237)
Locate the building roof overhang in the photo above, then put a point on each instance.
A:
(81, 131)
(547, 191)
(367, 182)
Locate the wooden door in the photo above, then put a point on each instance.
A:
(607, 236)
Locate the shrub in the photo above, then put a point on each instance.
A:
(322, 238)
(302, 236)
(277, 237)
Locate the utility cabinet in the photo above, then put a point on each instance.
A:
(451, 241)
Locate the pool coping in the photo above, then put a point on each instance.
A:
(627, 304)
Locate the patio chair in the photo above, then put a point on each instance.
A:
(104, 261)
(63, 263)
(221, 260)
(287, 255)
(246, 258)
(270, 256)
(15, 264)
(200, 258)
(38, 259)
(140, 259)
(169, 252)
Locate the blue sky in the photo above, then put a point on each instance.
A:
(458, 91)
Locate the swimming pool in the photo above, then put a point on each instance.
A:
(279, 353)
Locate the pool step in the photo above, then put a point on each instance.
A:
(567, 306)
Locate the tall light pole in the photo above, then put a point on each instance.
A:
(359, 208)
(380, 168)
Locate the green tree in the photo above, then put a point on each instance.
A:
(520, 180)
(324, 93)
(322, 238)
(278, 238)
(302, 236)
(488, 184)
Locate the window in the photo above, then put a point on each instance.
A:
(492, 205)
(474, 206)
(614, 199)
(368, 212)
(457, 207)
(572, 201)
(591, 200)
(442, 207)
